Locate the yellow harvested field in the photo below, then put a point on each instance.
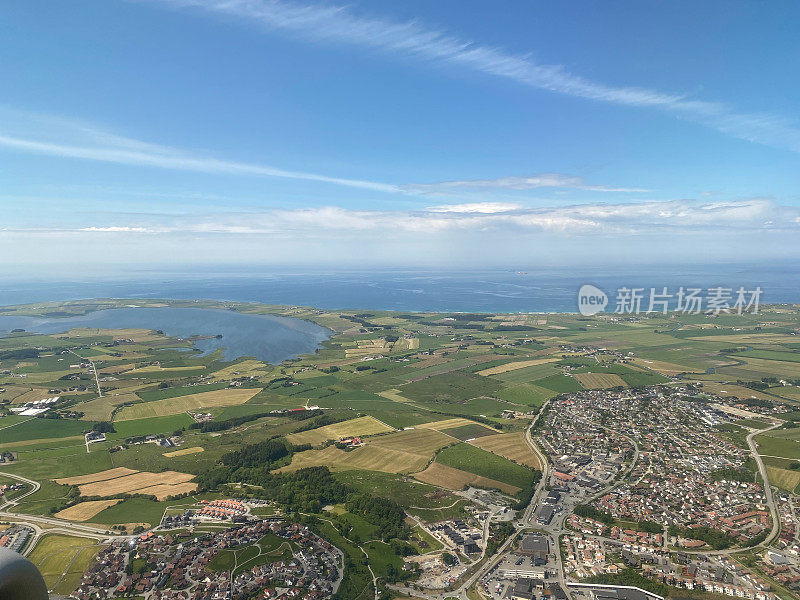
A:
(101, 476)
(244, 368)
(165, 490)
(594, 381)
(184, 451)
(134, 483)
(512, 446)
(749, 338)
(393, 395)
(664, 367)
(180, 404)
(83, 511)
(160, 369)
(354, 427)
(365, 351)
(137, 335)
(456, 479)
(783, 478)
(118, 368)
(402, 452)
(369, 458)
(739, 391)
(65, 440)
(513, 366)
(33, 395)
(449, 424)
(404, 344)
(102, 409)
(417, 441)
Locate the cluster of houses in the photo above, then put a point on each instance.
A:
(459, 535)
(179, 566)
(639, 541)
(720, 576)
(221, 509)
(680, 475)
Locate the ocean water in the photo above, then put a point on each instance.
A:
(266, 337)
(535, 290)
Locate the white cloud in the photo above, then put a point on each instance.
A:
(755, 216)
(542, 180)
(337, 24)
(118, 229)
(476, 207)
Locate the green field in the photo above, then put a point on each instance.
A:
(270, 548)
(62, 560)
(480, 462)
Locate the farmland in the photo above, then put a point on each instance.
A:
(84, 511)
(440, 401)
(511, 446)
(174, 406)
(127, 481)
(361, 426)
(456, 479)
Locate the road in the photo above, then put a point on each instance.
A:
(52, 523)
(94, 370)
(776, 522)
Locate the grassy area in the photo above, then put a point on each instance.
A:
(270, 548)
(481, 462)
(62, 560)
(773, 446)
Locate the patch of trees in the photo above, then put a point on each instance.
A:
(19, 354)
(320, 421)
(261, 454)
(386, 514)
(209, 426)
(732, 474)
(364, 322)
(590, 512)
(756, 540)
(516, 328)
(719, 540)
(649, 527)
(633, 578)
(304, 490)
(104, 427)
(526, 494)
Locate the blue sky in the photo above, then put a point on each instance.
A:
(179, 132)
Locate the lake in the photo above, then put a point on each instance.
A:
(266, 337)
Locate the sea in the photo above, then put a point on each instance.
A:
(480, 290)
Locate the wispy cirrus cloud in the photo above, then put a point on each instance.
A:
(338, 24)
(42, 134)
(542, 180)
(46, 135)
